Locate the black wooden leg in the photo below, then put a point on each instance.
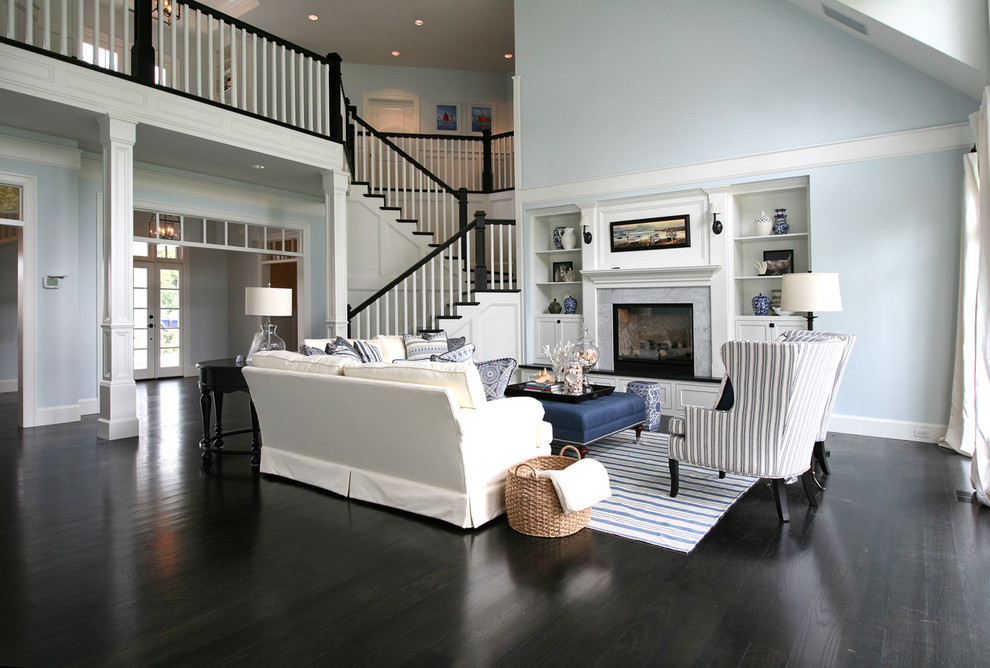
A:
(780, 499)
(809, 482)
(674, 480)
(255, 439)
(218, 430)
(206, 403)
(639, 432)
(721, 474)
(819, 457)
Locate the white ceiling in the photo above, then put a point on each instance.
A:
(456, 34)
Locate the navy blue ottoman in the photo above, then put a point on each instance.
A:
(583, 423)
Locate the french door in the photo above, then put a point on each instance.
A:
(157, 319)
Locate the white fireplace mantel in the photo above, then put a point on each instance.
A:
(683, 277)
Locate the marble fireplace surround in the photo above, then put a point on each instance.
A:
(615, 287)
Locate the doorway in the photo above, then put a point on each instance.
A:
(10, 258)
(158, 317)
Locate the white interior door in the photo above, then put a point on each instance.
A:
(157, 319)
(392, 113)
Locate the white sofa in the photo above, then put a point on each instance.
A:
(419, 436)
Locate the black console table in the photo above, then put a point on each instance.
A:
(217, 377)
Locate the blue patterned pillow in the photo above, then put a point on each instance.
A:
(495, 376)
(341, 347)
(310, 350)
(422, 347)
(455, 342)
(462, 354)
(369, 352)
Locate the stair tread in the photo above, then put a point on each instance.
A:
(391, 208)
(422, 234)
(450, 317)
(406, 220)
(374, 195)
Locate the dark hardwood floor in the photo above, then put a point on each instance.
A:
(130, 553)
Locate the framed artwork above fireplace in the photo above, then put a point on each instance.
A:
(650, 233)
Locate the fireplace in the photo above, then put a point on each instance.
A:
(653, 340)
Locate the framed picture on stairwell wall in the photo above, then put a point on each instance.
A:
(446, 117)
(481, 117)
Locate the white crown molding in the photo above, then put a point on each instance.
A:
(897, 144)
(40, 153)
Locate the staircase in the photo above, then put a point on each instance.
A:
(467, 258)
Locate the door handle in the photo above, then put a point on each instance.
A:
(150, 325)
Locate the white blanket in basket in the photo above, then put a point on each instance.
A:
(581, 485)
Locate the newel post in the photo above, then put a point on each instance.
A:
(480, 268)
(143, 50)
(336, 98)
(487, 173)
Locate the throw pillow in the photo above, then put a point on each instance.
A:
(453, 343)
(340, 346)
(495, 376)
(369, 352)
(462, 354)
(422, 347)
(310, 350)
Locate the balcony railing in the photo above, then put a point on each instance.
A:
(191, 49)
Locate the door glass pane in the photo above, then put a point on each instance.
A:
(140, 277)
(140, 300)
(168, 279)
(140, 360)
(140, 318)
(10, 202)
(170, 317)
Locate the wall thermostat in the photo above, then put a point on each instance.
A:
(52, 282)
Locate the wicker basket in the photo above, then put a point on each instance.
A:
(531, 503)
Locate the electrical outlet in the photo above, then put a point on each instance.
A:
(923, 433)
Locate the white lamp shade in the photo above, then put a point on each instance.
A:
(810, 292)
(268, 301)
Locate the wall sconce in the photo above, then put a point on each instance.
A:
(587, 235)
(716, 223)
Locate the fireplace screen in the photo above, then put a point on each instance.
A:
(653, 339)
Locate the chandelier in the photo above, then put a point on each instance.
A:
(167, 7)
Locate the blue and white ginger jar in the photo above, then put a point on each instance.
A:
(570, 305)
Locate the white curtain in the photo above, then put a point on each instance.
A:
(969, 422)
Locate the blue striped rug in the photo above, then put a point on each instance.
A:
(640, 506)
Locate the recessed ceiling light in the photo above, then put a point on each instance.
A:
(508, 55)
(419, 22)
(314, 17)
(395, 53)
(258, 166)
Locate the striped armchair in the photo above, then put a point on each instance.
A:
(849, 340)
(779, 391)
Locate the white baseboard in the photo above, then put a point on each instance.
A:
(921, 432)
(8, 385)
(57, 415)
(89, 406)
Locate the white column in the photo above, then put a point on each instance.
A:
(118, 393)
(335, 195)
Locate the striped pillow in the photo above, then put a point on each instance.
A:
(341, 347)
(462, 354)
(423, 347)
(369, 352)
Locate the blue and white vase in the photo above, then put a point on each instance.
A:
(558, 237)
(570, 305)
(761, 305)
(780, 225)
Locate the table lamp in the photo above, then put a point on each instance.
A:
(810, 292)
(267, 302)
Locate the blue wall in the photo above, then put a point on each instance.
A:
(631, 85)
(627, 85)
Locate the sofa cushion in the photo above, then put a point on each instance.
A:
(495, 376)
(331, 365)
(462, 354)
(392, 347)
(422, 347)
(461, 378)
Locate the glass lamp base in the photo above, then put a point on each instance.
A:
(265, 339)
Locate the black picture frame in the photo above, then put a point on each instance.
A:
(779, 262)
(657, 233)
(560, 270)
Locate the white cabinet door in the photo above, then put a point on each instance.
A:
(553, 328)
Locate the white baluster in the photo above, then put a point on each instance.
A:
(254, 73)
(173, 30)
(243, 78)
(264, 77)
(222, 52)
(46, 38)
